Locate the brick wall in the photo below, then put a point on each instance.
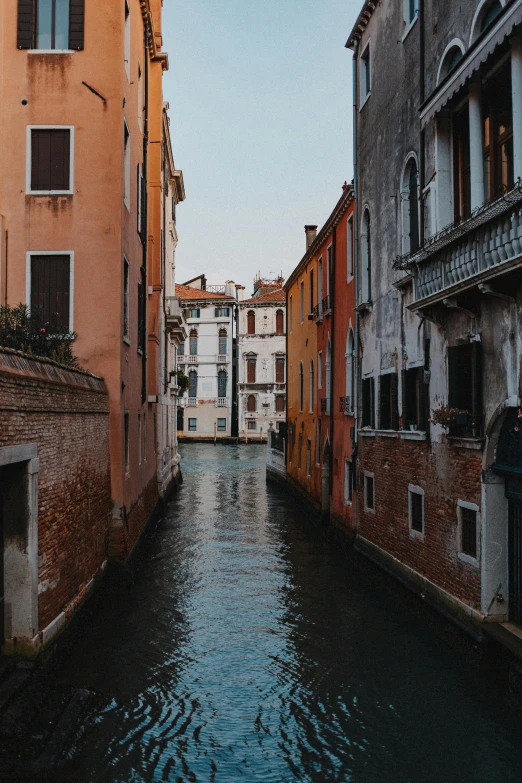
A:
(65, 413)
(446, 473)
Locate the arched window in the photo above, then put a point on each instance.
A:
(410, 207)
(222, 342)
(312, 386)
(280, 370)
(222, 384)
(485, 16)
(193, 384)
(280, 403)
(251, 370)
(350, 371)
(251, 322)
(251, 403)
(280, 322)
(366, 257)
(453, 55)
(193, 342)
(301, 386)
(328, 368)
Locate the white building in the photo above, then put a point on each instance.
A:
(261, 349)
(206, 358)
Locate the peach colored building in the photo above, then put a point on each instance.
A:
(83, 212)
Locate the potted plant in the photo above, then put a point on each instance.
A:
(449, 417)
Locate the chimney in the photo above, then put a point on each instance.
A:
(230, 288)
(311, 233)
(240, 292)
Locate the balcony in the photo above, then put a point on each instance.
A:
(222, 402)
(192, 402)
(345, 405)
(175, 322)
(192, 359)
(325, 405)
(317, 312)
(327, 304)
(463, 256)
(222, 358)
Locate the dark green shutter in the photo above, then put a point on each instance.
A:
(26, 24)
(404, 395)
(453, 377)
(477, 388)
(76, 24)
(394, 401)
(383, 405)
(372, 403)
(421, 395)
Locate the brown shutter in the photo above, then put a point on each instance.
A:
(26, 24)
(50, 159)
(50, 282)
(76, 24)
(60, 159)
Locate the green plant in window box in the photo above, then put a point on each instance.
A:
(26, 330)
(449, 417)
(183, 380)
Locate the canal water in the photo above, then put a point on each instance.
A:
(251, 649)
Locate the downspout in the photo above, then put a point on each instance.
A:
(145, 207)
(332, 381)
(355, 76)
(422, 144)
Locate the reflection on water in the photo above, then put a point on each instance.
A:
(249, 649)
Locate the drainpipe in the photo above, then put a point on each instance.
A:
(355, 75)
(422, 145)
(332, 366)
(145, 207)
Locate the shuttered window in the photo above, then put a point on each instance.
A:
(413, 399)
(50, 288)
(50, 159)
(251, 371)
(368, 402)
(280, 403)
(388, 402)
(251, 322)
(280, 370)
(222, 384)
(251, 404)
(51, 24)
(465, 382)
(280, 325)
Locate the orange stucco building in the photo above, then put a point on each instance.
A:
(83, 210)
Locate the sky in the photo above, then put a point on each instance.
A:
(260, 95)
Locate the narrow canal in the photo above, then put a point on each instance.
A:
(251, 649)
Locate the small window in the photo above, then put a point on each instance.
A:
(490, 14)
(193, 384)
(280, 403)
(251, 322)
(369, 492)
(465, 388)
(51, 160)
(221, 425)
(194, 312)
(320, 370)
(127, 442)
(349, 249)
(222, 346)
(368, 402)
(144, 437)
(301, 301)
(300, 451)
(127, 40)
(413, 399)
(222, 312)
(411, 9)
(126, 166)
(290, 311)
(140, 98)
(318, 441)
(280, 322)
(366, 77)
(312, 388)
(389, 402)
(280, 370)
(251, 370)
(308, 457)
(348, 481)
(416, 509)
(222, 384)
(192, 424)
(140, 187)
(468, 531)
(50, 288)
(141, 318)
(251, 403)
(301, 387)
(52, 24)
(139, 438)
(181, 349)
(312, 292)
(251, 424)
(193, 343)
(125, 299)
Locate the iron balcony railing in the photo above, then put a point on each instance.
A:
(327, 304)
(325, 405)
(317, 311)
(345, 405)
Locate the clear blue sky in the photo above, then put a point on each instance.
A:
(260, 95)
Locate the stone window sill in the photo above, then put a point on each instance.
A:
(412, 435)
(474, 444)
(468, 559)
(364, 307)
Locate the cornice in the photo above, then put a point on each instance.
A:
(154, 38)
(362, 22)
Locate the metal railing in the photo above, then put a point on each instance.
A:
(325, 405)
(327, 304)
(345, 405)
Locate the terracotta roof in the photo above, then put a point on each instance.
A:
(278, 295)
(197, 294)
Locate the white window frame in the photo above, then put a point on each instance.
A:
(70, 253)
(413, 489)
(349, 249)
(366, 58)
(127, 38)
(367, 476)
(28, 161)
(474, 561)
(301, 301)
(348, 472)
(409, 23)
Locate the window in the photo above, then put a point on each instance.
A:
(280, 403)
(301, 387)
(320, 284)
(126, 166)
(416, 509)
(193, 384)
(181, 349)
(461, 165)
(368, 403)
(497, 113)
(348, 481)
(350, 372)
(329, 271)
(485, 17)
(145, 437)
(312, 387)
(312, 303)
(222, 340)
(222, 384)
(320, 370)
(450, 61)
(290, 312)
(141, 317)
(410, 207)
(389, 402)
(126, 442)
(308, 457)
(366, 77)
(50, 160)
(193, 343)
(251, 424)
(366, 257)
(140, 186)
(301, 301)
(411, 9)
(280, 322)
(193, 312)
(50, 287)
(465, 387)
(221, 425)
(280, 370)
(251, 403)
(349, 249)
(127, 40)
(318, 441)
(251, 370)
(222, 312)
(413, 399)
(192, 424)
(140, 98)
(139, 438)
(300, 451)
(328, 369)
(126, 300)
(52, 24)
(468, 533)
(48, 26)
(369, 493)
(251, 322)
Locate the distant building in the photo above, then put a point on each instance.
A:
(206, 360)
(261, 359)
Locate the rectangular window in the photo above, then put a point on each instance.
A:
(251, 371)
(312, 303)
(140, 186)
(50, 287)
(251, 424)
(194, 312)
(126, 335)
(221, 425)
(51, 24)
(318, 442)
(127, 41)
(329, 269)
(389, 402)
(416, 509)
(413, 399)
(349, 249)
(366, 78)
(280, 370)
(301, 301)
(280, 402)
(290, 313)
(498, 134)
(126, 166)
(461, 165)
(144, 437)
(222, 312)
(320, 370)
(320, 284)
(465, 387)
(308, 457)
(368, 402)
(126, 443)
(50, 160)
(192, 425)
(468, 531)
(139, 438)
(369, 492)
(348, 481)
(140, 98)
(300, 451)
(141, 317)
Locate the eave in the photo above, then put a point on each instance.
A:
(361, 23)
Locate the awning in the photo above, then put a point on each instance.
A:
(475, 58)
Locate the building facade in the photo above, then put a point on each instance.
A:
(261, 360)
(440, 300)
(206, 360)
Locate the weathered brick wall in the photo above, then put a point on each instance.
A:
(127, 531)
(447, 474)
(65, 413)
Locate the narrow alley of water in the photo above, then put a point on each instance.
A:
(251, 649)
